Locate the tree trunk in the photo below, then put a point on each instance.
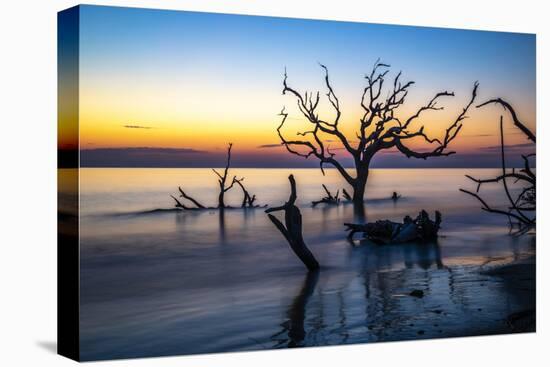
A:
(360, 186)
(221, 203)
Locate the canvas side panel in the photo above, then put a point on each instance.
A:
(68, 184)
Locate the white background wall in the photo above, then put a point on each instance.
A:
(28, 183)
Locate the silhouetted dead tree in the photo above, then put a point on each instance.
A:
(395, 196)
(222, 179)
(520, 206)
(379, 127)
(329, 199)
(292, 229)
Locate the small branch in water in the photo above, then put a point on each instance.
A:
(248, 200)
(329, 199)
(346, 195)
(182, 206)
(185, 196)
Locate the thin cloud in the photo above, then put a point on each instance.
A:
(478, 135)
(141, 157)
(522, 146)
(144, 150)
(270, 145)
(138, 127)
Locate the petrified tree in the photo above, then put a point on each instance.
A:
(379, 128)
(522, 206)
(329, 199)
(292, 229)
(422, 228)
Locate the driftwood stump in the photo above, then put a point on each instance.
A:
(292, 229)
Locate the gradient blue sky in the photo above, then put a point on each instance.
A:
(199, 80)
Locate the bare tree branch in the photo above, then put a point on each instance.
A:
(515, 118)
(489, 209)
(450, 133)
(185, 196)
(525, 201)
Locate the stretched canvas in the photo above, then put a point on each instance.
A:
(235, 183)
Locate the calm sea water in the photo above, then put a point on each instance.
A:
(166, 282)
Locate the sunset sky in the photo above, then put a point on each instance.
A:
(169, 88)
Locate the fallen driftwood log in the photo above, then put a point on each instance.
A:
(422, 228)
(292, 229)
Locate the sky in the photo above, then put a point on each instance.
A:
(172, 88)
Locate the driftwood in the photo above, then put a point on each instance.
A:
(379, 127)
(520, 208)
(292, 229)
(422, 228)
(329, 199)
(248, 200)
(346, 195)
(179, 204)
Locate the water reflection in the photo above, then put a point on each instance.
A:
(293, 330)
(221, 226)
(359, 213)
(407, 255)
(163, 282)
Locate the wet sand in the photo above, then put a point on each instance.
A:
(520, 277)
